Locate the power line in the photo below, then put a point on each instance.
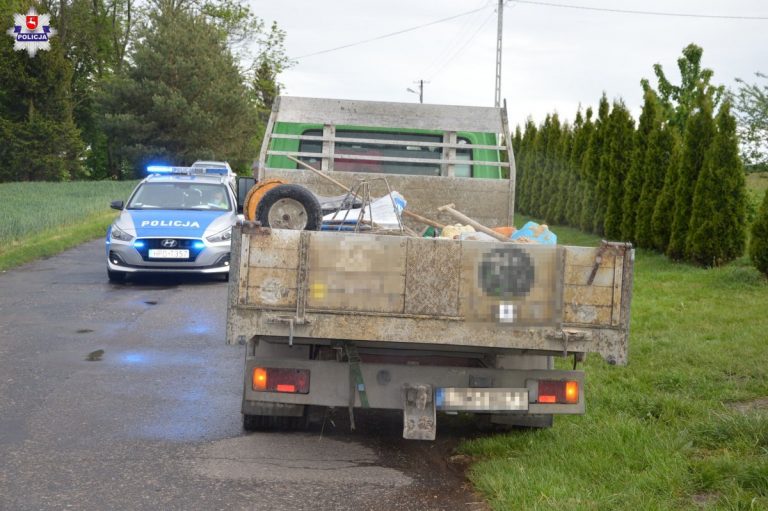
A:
(646, 13)
(458, 52)
(455, 41)
(391, 34)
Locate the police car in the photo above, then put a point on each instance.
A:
(177, 220)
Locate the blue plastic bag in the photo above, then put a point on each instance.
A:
(545, 237)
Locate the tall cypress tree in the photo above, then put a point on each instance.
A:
(517, 139)
(660, 146)
(758, 244)
(663, 211)
(717, 230)
(633, 187)
(699, 131)
(591, 165)
(619, 158)
(551, 167)
(581, 133)
(517, 143)
(556, 209)
(525, 163)
(538, 169)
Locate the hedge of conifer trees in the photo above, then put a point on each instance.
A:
(672, 182)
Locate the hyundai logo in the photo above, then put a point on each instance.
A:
(169, 243)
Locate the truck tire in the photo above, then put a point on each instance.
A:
(255, 194)
(290, 207)
(115, 276)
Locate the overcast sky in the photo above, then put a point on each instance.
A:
(553, 58)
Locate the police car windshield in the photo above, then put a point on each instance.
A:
(191, 196)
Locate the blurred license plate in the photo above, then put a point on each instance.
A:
(168, 254)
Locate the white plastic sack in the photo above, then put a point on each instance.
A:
(381, 211)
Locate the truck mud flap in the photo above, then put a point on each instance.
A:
(419, 416)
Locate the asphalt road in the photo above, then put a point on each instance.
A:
(124, 396)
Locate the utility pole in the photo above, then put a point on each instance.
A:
(500, 13)
(421, 90)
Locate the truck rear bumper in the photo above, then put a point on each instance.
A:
(384, 385)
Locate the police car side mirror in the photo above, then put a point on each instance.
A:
(116, 204)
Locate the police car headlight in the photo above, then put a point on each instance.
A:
(224, 235)
(117, 234)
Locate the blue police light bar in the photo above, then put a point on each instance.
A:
(159, 169)
(188, 171)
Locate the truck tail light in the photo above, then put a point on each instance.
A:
(269, 379)
(558, 392)
(259, 379)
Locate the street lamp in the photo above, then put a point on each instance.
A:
(420, 92)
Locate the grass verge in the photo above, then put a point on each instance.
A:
(42, 219)
(53, 241)
(683, 426)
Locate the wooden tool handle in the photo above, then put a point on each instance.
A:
(448, 208)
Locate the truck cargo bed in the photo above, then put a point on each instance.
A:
(316, 287)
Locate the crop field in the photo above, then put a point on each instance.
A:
(683, 426)
(40, 219)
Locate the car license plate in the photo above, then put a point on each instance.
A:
(157, 253)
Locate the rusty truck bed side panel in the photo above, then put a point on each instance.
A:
(419, 291)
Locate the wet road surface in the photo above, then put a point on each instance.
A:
(124, 396)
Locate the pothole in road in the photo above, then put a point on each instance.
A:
(150, 302)
(296, 457)
(418, 476)
(84, 331)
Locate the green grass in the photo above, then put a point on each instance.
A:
(42, 219)
(661, 433)
(757, 181)
(757, 184)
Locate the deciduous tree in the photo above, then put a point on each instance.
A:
(680, 101)
(750, 104)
